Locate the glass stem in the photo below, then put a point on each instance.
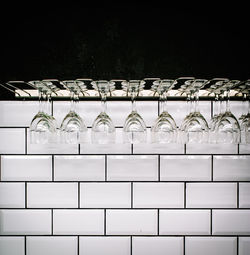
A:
(164, 102)
(228, 101)
(133, 95)
(48, 104)
(196, 101)
(248, 102)
(103, 102)
(72, 101)
(216, 105)
(40, 98)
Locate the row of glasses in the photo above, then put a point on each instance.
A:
(223, 127)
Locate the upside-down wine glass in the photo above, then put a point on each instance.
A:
(164, 129)
(134, 129)
(227, 127)
(216, 87)
(245, 117)
(73, 129)
(103, 129)
(43, 127)
(194, 128)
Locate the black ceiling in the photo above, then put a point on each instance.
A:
(129, 43)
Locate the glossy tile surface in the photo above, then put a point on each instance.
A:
(26, 168)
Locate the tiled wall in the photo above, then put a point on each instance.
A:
(120, 199)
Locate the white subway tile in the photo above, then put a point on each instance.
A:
(184, 222)
(157, 245)
(132, 168)
(12, 245)
(185, 168)
(231, 222)
(131, 222)
(244, 245)
(211, 245)
(118, 147)
(153, 148)
(25, 222)
(78, 222)
(105, 195)
(52, 195)
(49, 245)
(12, 140)
(26, 168)
(12, 195)
(79, 168)
(211, 195)
(208, 148)
(231, 168)
(158, 195)
(17, 113)
(104, 245)
(244, 195)
(244, 149)
(50, 148)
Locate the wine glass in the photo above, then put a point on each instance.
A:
(134, 129)
(43, 127)
(244, 119)
(195, 127)
(216, 87)
(164, 130)
(73, 129)
(227, 127)
(103, 129)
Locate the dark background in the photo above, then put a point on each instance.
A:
(123, 42)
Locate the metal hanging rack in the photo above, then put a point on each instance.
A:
(16, 90)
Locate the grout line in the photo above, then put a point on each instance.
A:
(78, 245)
(52, 222)
(26, 141)
(238, 195)
(105, 222)
(158, 222)
(185, 149)
(131, 245)
(126, 154)
(53, 168)
(211, 222)
(159, 168)
(132, 148)
(184, 245)
(212, 167)
(129, 208)
(79, 194)
(125, 181)
(105, 167)
(132, 195)
(26, 195)
(237, 246)
(185, 195)
(79, 149)
(25, 245)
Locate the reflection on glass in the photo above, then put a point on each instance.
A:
(134, 129)
(103, 129)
